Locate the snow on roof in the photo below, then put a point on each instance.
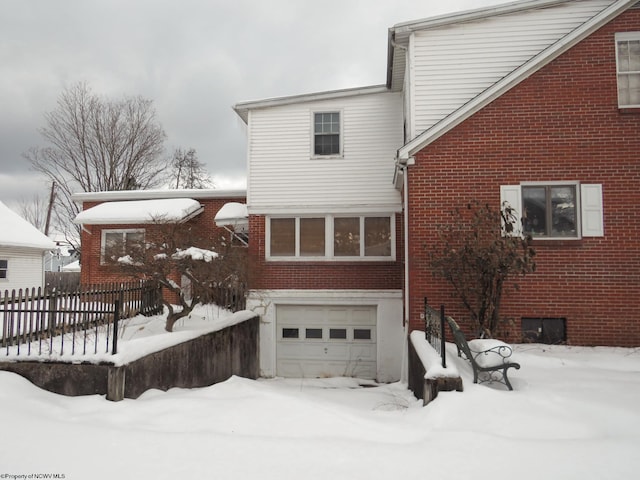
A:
(72, 267)
(140, 211)
(17, 232)
(232, 213)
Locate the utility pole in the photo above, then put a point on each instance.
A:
(50, 208)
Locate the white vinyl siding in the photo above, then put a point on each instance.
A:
(25, 269)
(590, 206)
(284, 173)
(455, 64)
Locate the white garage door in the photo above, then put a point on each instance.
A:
(326, 341)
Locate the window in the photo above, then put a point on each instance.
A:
(326, 133)
(556, 210)
(4, 267)
(628, 66)
(118, 243)
(312, 237)
(331, 237)
(549, 211)
(283, 237)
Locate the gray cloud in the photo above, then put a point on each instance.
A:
(193, 58)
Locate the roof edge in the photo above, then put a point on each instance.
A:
(156, 194)
(473, 14)
(242, 108)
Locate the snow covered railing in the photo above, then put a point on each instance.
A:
(434, 330)
(427, 375)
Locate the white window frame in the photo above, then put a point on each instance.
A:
(123, 231)
(5, 269)
(329, 239)
(625, 37)
(589, 208)
(340, 134)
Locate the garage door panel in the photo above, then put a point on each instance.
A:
(321, 341)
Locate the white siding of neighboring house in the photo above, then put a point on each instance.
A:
(452, 64)
(284, 176)
(25, 269)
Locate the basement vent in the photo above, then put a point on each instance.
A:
(544, 330)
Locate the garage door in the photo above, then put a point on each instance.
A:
(326, 341)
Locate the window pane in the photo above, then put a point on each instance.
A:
(338, 333)
(563, 211)
(4, 265)
(623, 56)
(634, 89)
(535, 211)
(283, 236)
(134, 242)
(312, 236)
(634, 56)
(362, 334)
(346, 240)
(377, 237)
(289, 333)
(313, 333)
(327, 145)
(624, 96)
(327, 122)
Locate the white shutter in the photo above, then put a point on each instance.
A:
(592, 211)
(512, 195)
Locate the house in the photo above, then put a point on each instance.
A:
(22, 253)
(535, 102)
(122, 220)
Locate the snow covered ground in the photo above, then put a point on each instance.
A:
(574, 414)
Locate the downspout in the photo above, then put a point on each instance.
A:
(404, 371)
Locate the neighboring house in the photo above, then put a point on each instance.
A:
(22, 253)
(534, 102)
(63, 255)
(123, 219)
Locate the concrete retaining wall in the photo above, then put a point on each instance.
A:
(203, 361)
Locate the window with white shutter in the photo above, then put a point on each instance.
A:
(556, 210)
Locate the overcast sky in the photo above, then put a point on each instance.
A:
(194, 58)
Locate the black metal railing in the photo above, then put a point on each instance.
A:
(434, 332)
(83, 321)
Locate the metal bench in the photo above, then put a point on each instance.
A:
(489, 364)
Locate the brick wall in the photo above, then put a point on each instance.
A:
(320, 274)
(562, 123)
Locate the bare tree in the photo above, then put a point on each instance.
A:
(188, 171)
(476, 253)
(34, 210)
(186, 262)
(98, 144)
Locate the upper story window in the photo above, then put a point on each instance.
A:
(118, 243)
(331, 237)
(326, 133)
(4, 268)
(628, 66)
(556, 210)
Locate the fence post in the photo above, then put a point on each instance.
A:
(116, 317)
(443, 351)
